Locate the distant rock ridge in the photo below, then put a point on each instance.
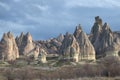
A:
(52, 45)
(8, 49)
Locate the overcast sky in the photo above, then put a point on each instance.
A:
(48, 18)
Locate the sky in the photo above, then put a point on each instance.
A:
(46, 19)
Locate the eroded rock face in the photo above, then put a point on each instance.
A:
(42, 55)
(25, 43)
(52, 45)
(104, 40)
(8, 49)
(70, 47)
(87, 51)
(34, 53)
(96, 30)
(60, 38)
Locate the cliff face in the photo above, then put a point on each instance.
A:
(87, 51)
(8, 49)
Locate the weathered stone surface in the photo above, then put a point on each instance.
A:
(52, 45)
(25, 43)
(104, 40)
(96, 30)
(34, 53)
(87, 51)
(8, 48)
(60, 38)
(42, 55)
(70, 47)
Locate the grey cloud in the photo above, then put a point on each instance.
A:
(93, 3)
(48, 18)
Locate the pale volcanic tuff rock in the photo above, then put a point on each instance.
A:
(60, 38)
(34, 53)
(87, 51)
(70, 47)
(29, 48)
(104, 40)
(42, 55)
(25, 43)
(96, 30)
(52, 45)
(8, 49)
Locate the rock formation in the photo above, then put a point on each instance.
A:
(34, 53)
(104, 40)
(87, 51)
(96, 30)
(70, 47)
(25, 43)
(60, 38)
(42, 55)
(52, 45)
(76, 46)
(8, 49)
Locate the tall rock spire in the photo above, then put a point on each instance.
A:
(25, 43)
(70, 47)
(86, 48)
(103, 39)
(8, 49)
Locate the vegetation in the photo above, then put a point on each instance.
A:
(107, 68)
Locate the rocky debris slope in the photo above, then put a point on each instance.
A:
(8, 48)
(87, 51)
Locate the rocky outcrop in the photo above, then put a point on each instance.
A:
(96, 30)
(25, 43)
(42, 55)
(104, 40)
(70, 47)
(60, 38)
(34, 53)
(52, 45)
(8, 49)
(87, 51)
